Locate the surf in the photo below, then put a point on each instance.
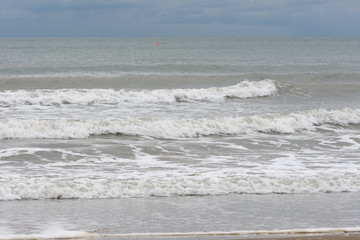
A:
(244, 89)
(163, 128)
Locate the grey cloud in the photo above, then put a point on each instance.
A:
(179, 17)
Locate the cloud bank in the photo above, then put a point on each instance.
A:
(177, 18)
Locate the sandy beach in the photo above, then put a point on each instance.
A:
(336, 235)
(316, 237)
(340, 236)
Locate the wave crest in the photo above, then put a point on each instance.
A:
(244, 89)
(178, 128)
(56, 188)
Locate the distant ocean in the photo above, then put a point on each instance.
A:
(106, 137)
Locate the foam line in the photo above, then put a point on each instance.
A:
(69, 188)
(245, 89)
(52, 235)
(178, 128)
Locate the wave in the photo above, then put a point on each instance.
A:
(243, 89)
(191, 185)
(178, 128)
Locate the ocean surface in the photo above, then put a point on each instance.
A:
(132, 137)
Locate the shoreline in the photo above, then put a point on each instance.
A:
(321, 236)
(340, 236)
(289, 234)
(335, 236)
(309, 234)
(211, 217)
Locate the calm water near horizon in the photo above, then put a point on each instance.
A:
(117, 136)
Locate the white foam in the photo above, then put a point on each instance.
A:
(51, 231)
(244, 89)
(178, 128)
(12, 188)
(51, 234)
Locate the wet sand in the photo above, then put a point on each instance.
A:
(337, 235)
(340, 236)
(313, 237)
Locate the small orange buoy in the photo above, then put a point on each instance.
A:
(157, 44)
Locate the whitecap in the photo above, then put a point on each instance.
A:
(178, 128)
(245, 89)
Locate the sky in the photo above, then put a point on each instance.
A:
(178, 18)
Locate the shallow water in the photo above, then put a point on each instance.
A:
(231, 213)
(227, 123)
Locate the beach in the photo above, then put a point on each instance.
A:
(330, 237)
(336, 236)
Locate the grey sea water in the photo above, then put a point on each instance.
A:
(190, 135)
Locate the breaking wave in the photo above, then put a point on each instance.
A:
(57, 188)
(244, 89)
(178, 128)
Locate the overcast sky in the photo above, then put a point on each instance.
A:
(178, 18)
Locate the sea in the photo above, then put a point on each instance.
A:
(179, 138)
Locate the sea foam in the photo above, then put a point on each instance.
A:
(52, 233)
(245, 89)
(143, 186)
(178, 128)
